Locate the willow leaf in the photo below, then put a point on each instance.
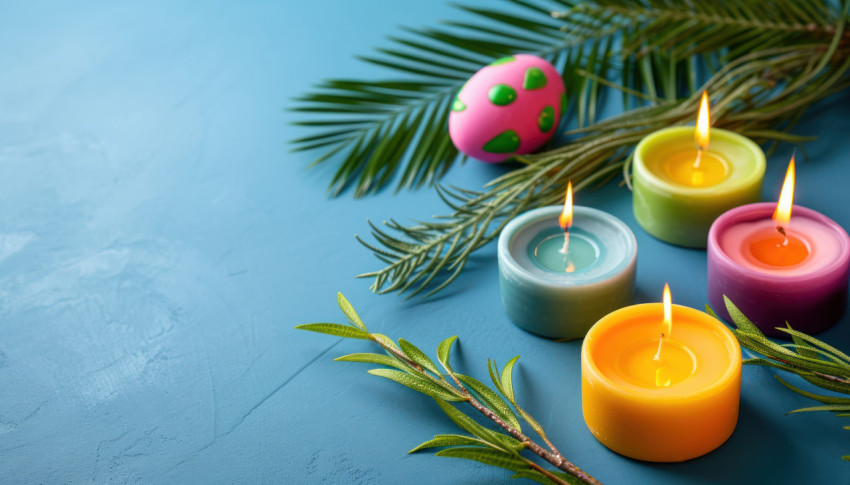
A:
(830, 407)
(817, 343)
(491, 400)
(417, 383)
(502, 441)
(370, 358)
(442, 440)
(349, 312)
(444, 351)
(335, 329)
(506, 378)
(383, 339)
(740, 320)
(417, 356)
(817, 397)
(488, 456)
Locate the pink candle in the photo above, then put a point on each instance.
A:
(776, 267)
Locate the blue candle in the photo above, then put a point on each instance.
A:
(561, 294)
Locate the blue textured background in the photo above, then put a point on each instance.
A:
(158, 243)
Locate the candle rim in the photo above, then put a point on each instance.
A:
(740, 215)
(532, 216)
(726, 185)
(652, 395)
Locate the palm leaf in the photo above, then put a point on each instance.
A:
(397, 127)
(759, 94)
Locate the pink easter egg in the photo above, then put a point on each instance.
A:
(510, 107)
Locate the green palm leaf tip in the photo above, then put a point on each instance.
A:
(765, 72)
(396, 128)
(814, 360)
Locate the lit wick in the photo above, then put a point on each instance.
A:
(782, 214)
(566, 247)
(566, 218)
(566, 222)
(662, 376)
(667, 323)
(702, 131)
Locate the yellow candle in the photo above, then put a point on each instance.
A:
(660, 398)
(684, 178)
(698, 166)
(680, 168)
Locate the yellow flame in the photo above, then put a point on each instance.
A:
(703, 129)
(566, 218)
(782, 214)
(667, 324)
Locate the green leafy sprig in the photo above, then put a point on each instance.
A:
(407, 365)
(815, 361)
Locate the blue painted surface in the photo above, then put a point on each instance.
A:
(158, 244)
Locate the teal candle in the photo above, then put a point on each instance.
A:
(547, 250)
(561, 294)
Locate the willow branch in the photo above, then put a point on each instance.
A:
(553, 457)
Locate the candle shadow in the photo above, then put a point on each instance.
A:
(735, 460)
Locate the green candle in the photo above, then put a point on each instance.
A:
(684, 178)
(677, 203)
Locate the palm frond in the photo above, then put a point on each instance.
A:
(760, 95)
(375, 130)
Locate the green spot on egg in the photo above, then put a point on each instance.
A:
(502, 95)
(546, 119)
(458, 105)
(503, 60)
(505, 142)
(535, 78)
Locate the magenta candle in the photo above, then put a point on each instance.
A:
(802, 281)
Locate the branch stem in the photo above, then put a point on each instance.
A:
(553, 457)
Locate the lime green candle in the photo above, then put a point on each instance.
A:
(677, 198)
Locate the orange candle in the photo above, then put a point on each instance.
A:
(660, 382)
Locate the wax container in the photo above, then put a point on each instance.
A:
(811, 295)
(695, 407)
(677, 205)
(555, 296)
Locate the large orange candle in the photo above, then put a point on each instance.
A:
(660, 385)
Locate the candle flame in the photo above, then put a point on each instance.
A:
(782, 214)
(566, 218)
(703, 129)
(667, 324)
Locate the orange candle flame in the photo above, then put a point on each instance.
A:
(703, 129)
(566, 218)
(662, 374)
(782, 214)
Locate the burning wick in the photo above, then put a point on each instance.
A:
(566, 247)
(566, 222)
(667, 324)
(782, 214)
(701, 134)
